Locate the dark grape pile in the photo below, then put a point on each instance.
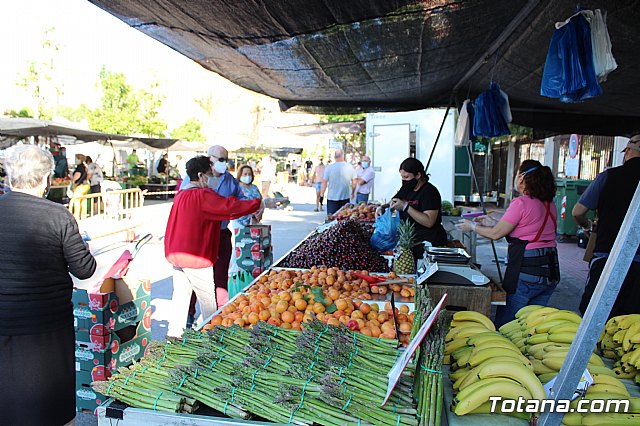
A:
(345, 246)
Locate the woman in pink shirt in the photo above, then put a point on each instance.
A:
(529, 224)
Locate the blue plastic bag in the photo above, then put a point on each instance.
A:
(385, 236)
(489, 120)
(569, 72)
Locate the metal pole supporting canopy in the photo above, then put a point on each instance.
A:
(604, 296)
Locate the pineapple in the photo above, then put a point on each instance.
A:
(404, 263)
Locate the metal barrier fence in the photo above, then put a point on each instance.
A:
(107, 213)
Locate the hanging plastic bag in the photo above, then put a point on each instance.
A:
(569, 73)
(464, 126)
(385, 236)
(490, 120)
(238, 281)
(603, 60)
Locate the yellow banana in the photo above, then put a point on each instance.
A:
(565, 315)
(533, 349)
(464, 331)
(486, 409)
(510, 326)
(497, 344)
(535, 313)
(603, 379)
(622, 374)
(595, 369)
(446, 360)
(572, 419)
(628, 321)
(480, 339)
(457, 354)
(608, 343)
(474, 374)
(527, 310)
(538, 338)
(464, 359)
(539, 368)
(474, 317)
(546, 326)
(601, 388)
(514, 371)
(594, 359)
(617, 338)
(632, 331)
(564, 327)
(610, 419)
(608, 354)
(454, 345)
(634, 358)
(557, 347)
(554, 363)
(565, 337)
(480, 356)
(546, 377)
(458, 373)
(506, 388)
(636, 379)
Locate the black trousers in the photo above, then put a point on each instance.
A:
(627, 300)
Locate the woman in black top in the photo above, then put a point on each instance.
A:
(41, 245)
(420, 203)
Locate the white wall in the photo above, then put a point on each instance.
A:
(426, 123)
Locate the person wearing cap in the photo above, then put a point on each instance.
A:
(610, 194)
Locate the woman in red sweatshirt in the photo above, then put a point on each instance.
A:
(191, 240)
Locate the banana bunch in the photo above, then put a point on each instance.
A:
(544, 335)
(620, 341)
(485, 364)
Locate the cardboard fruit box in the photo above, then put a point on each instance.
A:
(253, 252)
(116, 301)
(254, 260)
(113, 350)
(86, 397)
(253, 235)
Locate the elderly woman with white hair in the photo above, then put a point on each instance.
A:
(40, 245)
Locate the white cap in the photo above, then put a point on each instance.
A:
(634, 143)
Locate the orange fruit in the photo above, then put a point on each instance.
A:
(264, 315)
(239, 322)
(357, 315)
(296, 325)
(296, 295)
(404, 309)
(341, 304)
(301, 304)
(208, 327)
(216, 320)
(405, 327)
(274, 321)
(333, 321)
(334, 294)
(286, 325)
(298, 315)
(375, 331)
(292, 308)
(405, 293)
(366, 331)
(227, 322)
(282, 306)
(288, 316)
(365, 308)
(285, 295)
(318, 308)
(253, 318)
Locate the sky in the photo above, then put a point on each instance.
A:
(90, 38)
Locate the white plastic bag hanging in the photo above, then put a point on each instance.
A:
(603, 59)
(464, 126)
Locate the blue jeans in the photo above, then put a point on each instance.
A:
(360, 198)
(531, 290)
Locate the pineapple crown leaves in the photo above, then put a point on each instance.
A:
(406, 234)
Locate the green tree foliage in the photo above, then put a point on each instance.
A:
(40, 80)
(74, 114)
(191, 130)
(24, 112)
(125, 111)
(150, 102)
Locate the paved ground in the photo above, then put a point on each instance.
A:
(288, 228)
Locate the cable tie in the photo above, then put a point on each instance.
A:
(144, 369)
(224, 409)
(221, 337)
(195, 374)
(126, 381)
(109, 388)
(184, 340)
(182, 381)
(155, 403)
(268, 361)
(348, 402)
(233, 393)
(428, 370)
(398, 421)
(253, 378)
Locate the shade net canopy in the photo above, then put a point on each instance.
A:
(330, 56)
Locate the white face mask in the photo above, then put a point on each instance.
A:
(365, 164)
(245, 179)
(220, 166)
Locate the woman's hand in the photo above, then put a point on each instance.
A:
(466, 226)
(398, 204)
(486, 220)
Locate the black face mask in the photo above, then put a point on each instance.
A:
(409, 185)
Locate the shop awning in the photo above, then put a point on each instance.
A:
(371, 55)
(13, 130)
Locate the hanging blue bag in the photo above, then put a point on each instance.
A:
(489, 120)
(385, 236)
(569, 72)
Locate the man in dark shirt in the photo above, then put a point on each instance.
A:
(611, 194)
(163, 164)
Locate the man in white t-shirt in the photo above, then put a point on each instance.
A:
(364, 180)
(337, 180)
